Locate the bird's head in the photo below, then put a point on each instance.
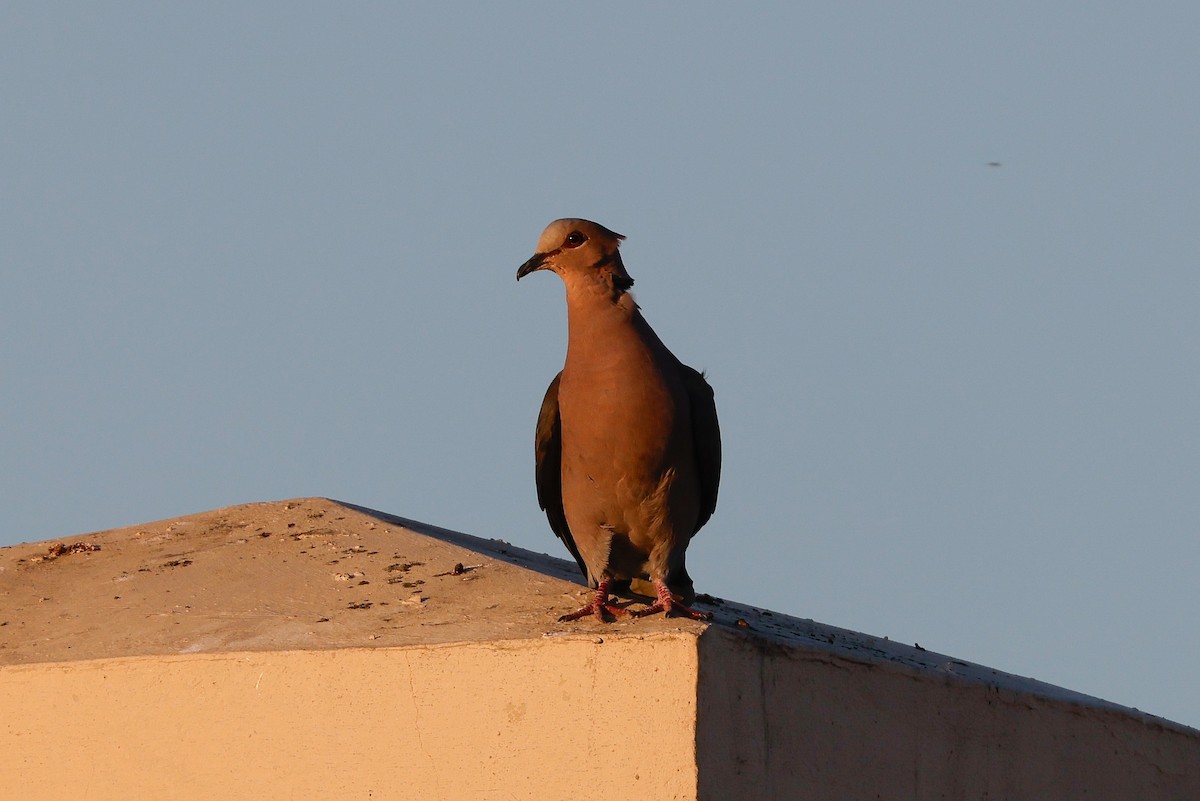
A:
(580, 251)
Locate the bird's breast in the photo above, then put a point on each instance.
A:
(620, 420)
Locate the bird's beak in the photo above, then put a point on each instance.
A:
(533, 265)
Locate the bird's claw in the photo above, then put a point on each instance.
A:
(672, 610)
(667, 604)
(599, 610)
(598, 607)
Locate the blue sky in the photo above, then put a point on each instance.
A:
(260, 251)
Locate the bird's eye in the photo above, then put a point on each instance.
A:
(575, 239)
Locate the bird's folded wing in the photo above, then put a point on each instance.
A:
(548, 469)
(706, 438)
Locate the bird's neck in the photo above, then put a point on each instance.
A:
(597, 303)
(597, 320)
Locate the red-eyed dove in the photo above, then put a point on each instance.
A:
(628, 448)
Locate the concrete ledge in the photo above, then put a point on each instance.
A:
(797, 723)
(311, 649)
(527, 719)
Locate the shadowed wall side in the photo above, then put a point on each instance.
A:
(785, 723)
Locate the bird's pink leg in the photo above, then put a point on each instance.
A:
(667, 604)
(597, 607)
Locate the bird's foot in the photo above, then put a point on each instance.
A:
(598, 607)
(667, 604)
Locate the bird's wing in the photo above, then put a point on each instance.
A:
(706, 438)
(548, 469)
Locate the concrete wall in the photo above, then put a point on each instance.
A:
(313, 650)
(667, 716)
(562, 718)
(789, 723)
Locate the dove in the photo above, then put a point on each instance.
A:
(627, 444)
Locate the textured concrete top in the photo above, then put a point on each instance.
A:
(309, 573)
(313, 573)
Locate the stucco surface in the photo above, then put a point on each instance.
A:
(316, 649)
(526, 719)
(309, 573)
(797, 723)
